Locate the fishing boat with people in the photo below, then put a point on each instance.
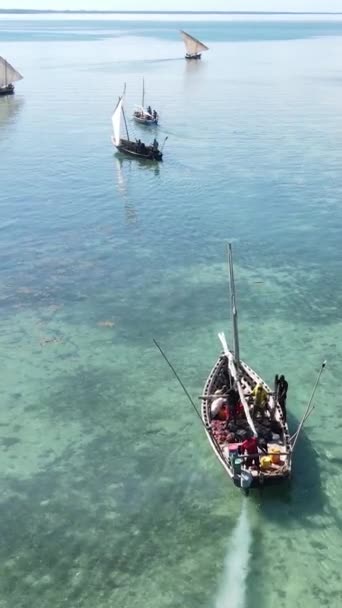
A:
(137, 148)
(244, 419)
(145, 116)
(8, 75)
(194, 48)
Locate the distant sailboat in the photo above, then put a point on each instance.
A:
(145, 116)
(136, 148)
(194, 48)
(8, 75)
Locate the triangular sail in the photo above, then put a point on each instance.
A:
(8, 74)
(192, 45)
(117, 121)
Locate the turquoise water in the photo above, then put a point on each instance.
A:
(111, 495)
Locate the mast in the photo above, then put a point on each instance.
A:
(123, 114)
(233, 305)
(143, 95)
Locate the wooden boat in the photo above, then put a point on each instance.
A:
(135, 149)
(8, 75)
(145, 116)
(194, 48)
(272, 464)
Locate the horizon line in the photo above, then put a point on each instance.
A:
(171, 12)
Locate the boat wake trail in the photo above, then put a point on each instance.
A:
(233, 586)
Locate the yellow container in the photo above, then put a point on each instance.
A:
(265, 462)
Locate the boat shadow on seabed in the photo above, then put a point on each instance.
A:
(302, 496)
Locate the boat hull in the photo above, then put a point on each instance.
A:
(129, 149)
(145, 121)
(258, 478)
(9, 90)
(196, 56)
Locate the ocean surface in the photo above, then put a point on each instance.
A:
(111, 495)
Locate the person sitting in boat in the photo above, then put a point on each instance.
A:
(233, 403)
(219, 409)
(223, 414)
(260, 399)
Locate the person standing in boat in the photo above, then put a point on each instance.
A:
(282, 389)
(149, 110)
(250, 445)
(260, 399)
(155, 115)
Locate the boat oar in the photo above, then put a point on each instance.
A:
(180, 382)
(309, 408)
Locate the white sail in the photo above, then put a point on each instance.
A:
(192, 45)
(117, 122)
(8, 74)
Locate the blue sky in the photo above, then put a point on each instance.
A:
(245, 5)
